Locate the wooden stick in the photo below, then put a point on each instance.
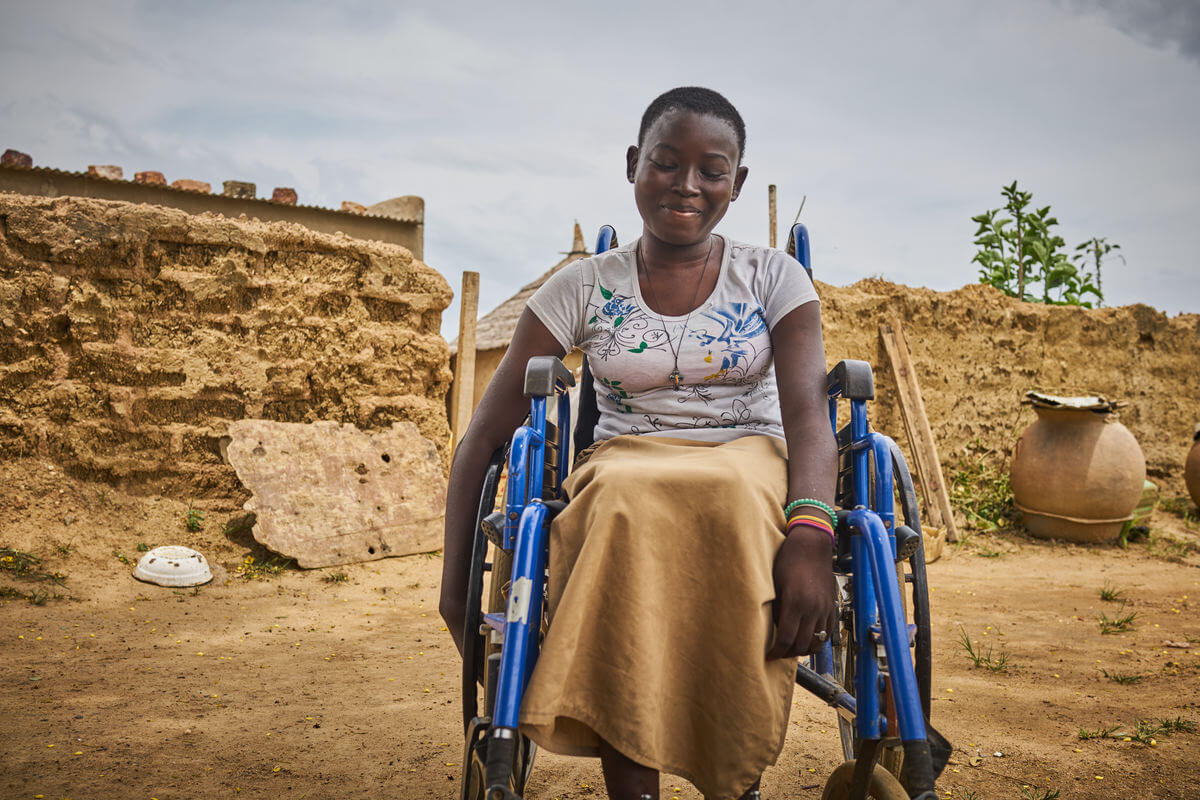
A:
(462, 391)
(916, 425)
(771, 206)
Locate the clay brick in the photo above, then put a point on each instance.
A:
(352, 207)
(15, 158)
(110, 171)
(285, 195)
(240, 189)
(151, 177)
(192, 186)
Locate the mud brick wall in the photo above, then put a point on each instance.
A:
(131, 335)
(976, 352)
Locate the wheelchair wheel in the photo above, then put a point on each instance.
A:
(480, 670)
(882, 785)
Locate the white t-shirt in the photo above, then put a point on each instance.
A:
(728, 385)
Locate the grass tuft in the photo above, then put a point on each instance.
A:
(1121, 623)
(1118, 677)
(1111, 594)
(978, 657)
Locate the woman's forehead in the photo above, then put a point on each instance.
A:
(679, 128)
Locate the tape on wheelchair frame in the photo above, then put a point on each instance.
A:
(518, 601)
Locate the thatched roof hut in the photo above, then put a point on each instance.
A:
(495, 329)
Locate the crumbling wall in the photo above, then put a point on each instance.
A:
(131, 335)
(976, 352)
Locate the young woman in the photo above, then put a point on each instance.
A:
(681, 591)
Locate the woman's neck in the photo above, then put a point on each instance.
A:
(658, 255)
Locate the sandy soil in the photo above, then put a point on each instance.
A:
(301, 685)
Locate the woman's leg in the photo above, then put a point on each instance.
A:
(626, 779)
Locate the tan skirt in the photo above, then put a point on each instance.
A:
(660, 594)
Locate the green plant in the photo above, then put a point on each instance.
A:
(193, 519)
(1110, 594)
(1096, 249)
(336, 577)
(142, 547)
(27, 567)
(1099, 733)
(1170, 726)
(119, 556)
(1180, 507)
(978, 657)
(253, 569)
(1118, 677)
(1118, 624)
(981, 487)
(1020, 250)
(1034, 793)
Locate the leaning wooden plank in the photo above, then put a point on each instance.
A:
(916, 424)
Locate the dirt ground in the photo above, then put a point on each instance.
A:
(304, 684)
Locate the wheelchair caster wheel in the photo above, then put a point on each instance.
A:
(882, 785)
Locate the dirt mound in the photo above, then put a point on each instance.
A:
(976, 352)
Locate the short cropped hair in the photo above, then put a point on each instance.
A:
(699, 100)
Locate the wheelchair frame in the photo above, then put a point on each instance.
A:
(868, 674)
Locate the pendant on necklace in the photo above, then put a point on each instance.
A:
(675, 378)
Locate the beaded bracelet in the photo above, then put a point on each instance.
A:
(808, 501)
(813, 522)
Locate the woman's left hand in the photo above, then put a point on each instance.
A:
(805, 593)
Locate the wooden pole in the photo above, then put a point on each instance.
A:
(916, 425)
(462, 391)
(771, 206)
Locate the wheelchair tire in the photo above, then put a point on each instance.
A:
(477, 647)
(882, 785)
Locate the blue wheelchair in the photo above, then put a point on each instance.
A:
(875, 671)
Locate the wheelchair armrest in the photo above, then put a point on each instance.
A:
(542, 375)
(851, 379)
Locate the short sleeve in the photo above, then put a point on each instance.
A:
(558, 303)
(785, 286)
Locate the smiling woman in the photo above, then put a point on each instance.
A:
(680, 590)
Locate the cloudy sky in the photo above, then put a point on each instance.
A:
(897, 120)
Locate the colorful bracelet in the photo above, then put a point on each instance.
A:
(808, 501)
(813, 522)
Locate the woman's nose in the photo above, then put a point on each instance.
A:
(688, 182)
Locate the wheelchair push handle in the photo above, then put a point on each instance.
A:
(545, 376)
(852, 380)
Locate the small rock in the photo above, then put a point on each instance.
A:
(240, 189)
(110, 171)
(15, 158)
(192, 186)
(998, 754)
(285, 195)
(151, 177)
(351, 207)
(69, 519)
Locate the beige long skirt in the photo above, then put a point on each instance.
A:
(660, 594)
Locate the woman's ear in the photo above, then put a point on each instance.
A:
(631, 161)
(738, 180)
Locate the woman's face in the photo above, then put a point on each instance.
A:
(685, 175)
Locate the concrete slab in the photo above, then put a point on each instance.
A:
(327, 493)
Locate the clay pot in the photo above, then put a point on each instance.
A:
(1077, 474)
(1191, 469)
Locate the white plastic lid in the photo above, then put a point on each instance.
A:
(173, 565)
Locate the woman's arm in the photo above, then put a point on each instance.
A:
(804, 583)
(499, 413)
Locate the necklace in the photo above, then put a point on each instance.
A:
(675, 377)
